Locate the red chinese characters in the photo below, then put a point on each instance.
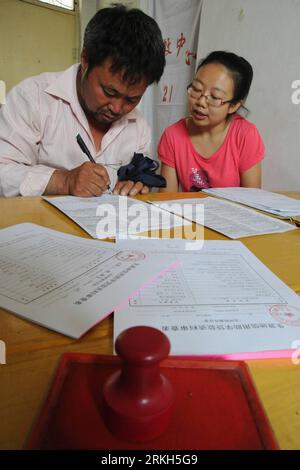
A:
(180, 42)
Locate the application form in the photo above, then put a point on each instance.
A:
(108, 215)
(219, 301)
(233, 220)
(68, 283)
(277, 204)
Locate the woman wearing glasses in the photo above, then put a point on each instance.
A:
(214, 146)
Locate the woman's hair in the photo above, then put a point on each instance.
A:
(239, 69)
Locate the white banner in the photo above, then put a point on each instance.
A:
(179, 21)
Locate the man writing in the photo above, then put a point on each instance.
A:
(123, 53)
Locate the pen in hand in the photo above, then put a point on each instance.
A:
(87, 152)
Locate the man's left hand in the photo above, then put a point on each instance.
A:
(129, 188)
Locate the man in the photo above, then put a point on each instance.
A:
(123, 53)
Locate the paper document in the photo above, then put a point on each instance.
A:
(220, 301)
(68, 283)
(108, 215)
(276, 204)
(231, 219)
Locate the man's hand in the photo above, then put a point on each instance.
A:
(130, 188)
(89, 179)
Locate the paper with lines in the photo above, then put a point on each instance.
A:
(68, 283)
(220, 301)
(108, 216)
(233, 220)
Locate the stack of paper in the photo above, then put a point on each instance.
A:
(266, 201)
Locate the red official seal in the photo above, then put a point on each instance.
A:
(286, 314)
(130, 256)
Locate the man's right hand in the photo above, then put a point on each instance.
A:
(88, 179)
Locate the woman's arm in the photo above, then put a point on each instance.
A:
(252, 178)
(171, 177)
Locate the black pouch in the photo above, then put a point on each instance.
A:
(142, 169)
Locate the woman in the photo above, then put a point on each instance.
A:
(214, 146)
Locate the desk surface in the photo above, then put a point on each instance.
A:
(32, 352)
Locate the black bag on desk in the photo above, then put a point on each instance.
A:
(142, 169)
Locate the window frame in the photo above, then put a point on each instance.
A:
(38, 3)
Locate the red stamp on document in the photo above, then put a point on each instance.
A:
(286, 314)
(130, 256)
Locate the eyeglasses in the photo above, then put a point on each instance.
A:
(195, 94)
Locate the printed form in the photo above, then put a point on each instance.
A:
(231, 219)
(219, 301)
(108, 216)
(68, 283)
(274, 203)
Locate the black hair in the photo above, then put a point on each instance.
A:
(239, 68)
(131, 39)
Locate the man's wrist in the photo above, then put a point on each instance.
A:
(58, 184)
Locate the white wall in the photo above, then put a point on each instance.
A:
(267, 33)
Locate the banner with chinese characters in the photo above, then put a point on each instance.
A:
(179, 22)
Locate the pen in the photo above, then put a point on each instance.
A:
(84, 148)
(87, 152)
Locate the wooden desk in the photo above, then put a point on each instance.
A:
(33, 351)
